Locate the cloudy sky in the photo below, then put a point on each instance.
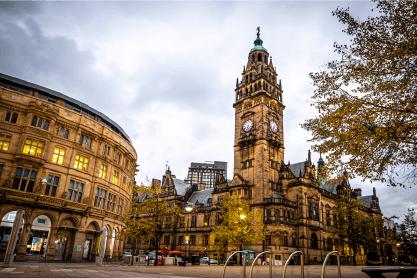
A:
(166, 71)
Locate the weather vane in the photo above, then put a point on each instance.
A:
(259, 30)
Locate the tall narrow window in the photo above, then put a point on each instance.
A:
(24, 180)
(33, 147)
(58, 157)
(100, 198)
(103, 171)
(4, 142)
(12, 118)
(110, 202)
(206, 220)
(205, 239)
(106, 150)
(51, 185)
(193, 221)
(40, 123)
(75, 191)
(120, 206)
(85, 141)
(115, 178)
(81, 162)
(124, 182)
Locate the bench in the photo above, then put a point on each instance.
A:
(376, 272)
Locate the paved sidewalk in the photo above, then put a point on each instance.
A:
(119, 270)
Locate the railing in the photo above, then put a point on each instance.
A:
(280, 201)
(302, 263)
(339, 274)
(244, 264)
(270, 263)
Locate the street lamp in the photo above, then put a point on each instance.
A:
(188, 208)
(242, 217)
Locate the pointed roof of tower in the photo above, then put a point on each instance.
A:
(258, 42)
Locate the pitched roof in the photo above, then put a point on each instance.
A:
(329, 187)
(366, 200)
(295, 169)
(180, 186)
(201, 196)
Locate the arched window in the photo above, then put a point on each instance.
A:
(288, 214)
(292, 214)
(259, 57)
(268, 213)
(276, 213)
(314, 241)
(209, 202)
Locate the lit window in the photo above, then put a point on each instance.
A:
(103, 171)
(12, 118)
(51, 185)
(4, 142)
(81, 162)
(124, 183)
(58, 157)
(116, 178)
(40, 123)
(24, 180)
(75, 191)
(33, 147)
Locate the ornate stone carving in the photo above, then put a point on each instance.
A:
(64, 195)
(7, 184)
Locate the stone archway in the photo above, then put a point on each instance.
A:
(38, 238)
(113, 243)
(5, 232)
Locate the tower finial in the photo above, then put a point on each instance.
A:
(259, 31)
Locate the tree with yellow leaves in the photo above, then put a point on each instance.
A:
(367, 122)
(149, 216)
(239, 225)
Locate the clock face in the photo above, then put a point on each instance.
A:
(273, 125)
(247, 125)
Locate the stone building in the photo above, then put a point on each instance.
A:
(69, 167)
(293, 203)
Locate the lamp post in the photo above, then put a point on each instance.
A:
(188, 208)
(242, 217)
(350, 234)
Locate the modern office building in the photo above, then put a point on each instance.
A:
(206, 173)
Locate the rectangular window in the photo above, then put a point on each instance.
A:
(182, 222)
(51, 185)
(12, 118)
(33, 147)
(166, 239)
(327, 216)
(118, 156)
(168, 223)
(313, 211)
(84, 140)
(205, 240)
(75, 191)
(219, 219)
(103, 171)
(192, 239)
(106, 150)
(193, 221)
(63, 133)
(206, 220)
(58, 157)
(110, 202)
(268, 240)
(180, 240)
(40, 123)
(81, 162)
(100, 198)
(24, 180)
(219, 200)
(124, 182)
(120, 207)
(5, 142)
(115, 179)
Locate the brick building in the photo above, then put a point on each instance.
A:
(69, 167)
(293, 203)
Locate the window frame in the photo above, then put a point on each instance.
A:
(4, 140)
(37, 147)
(40, 123)
(51, 187)
(58, 155)
(84, 164)
(73, 193)
(29, 180)
(10, 118)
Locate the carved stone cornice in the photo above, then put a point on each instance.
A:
(38, 132)
(12, 108)
(12, 127)
(65, 124)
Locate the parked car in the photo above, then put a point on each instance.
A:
(126, 254)
(213, 261)
(152, 255)
(231, 262)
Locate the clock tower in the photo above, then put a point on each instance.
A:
(259, 137)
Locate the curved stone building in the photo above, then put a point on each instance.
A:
(69, 167)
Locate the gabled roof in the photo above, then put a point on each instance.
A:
(366, 200)
(201, 196)
(329, 187)
(180, 186)
(296, 168)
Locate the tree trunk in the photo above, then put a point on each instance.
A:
(156, 251)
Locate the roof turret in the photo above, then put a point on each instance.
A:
(258, 42)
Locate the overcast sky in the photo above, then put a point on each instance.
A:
(166, 71)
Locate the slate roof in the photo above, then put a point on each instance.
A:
(64, 97)
(295, 169)
(201, 196)
(180, 186)
(366, 200)
(329, 187)
(276, 196)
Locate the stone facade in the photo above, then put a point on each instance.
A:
(66, 162)
(293, 203)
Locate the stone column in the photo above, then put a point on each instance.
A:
(108, 243)
(24, 238)
(100, 256)
(8, 260)
(51, 246)
(78, 247)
